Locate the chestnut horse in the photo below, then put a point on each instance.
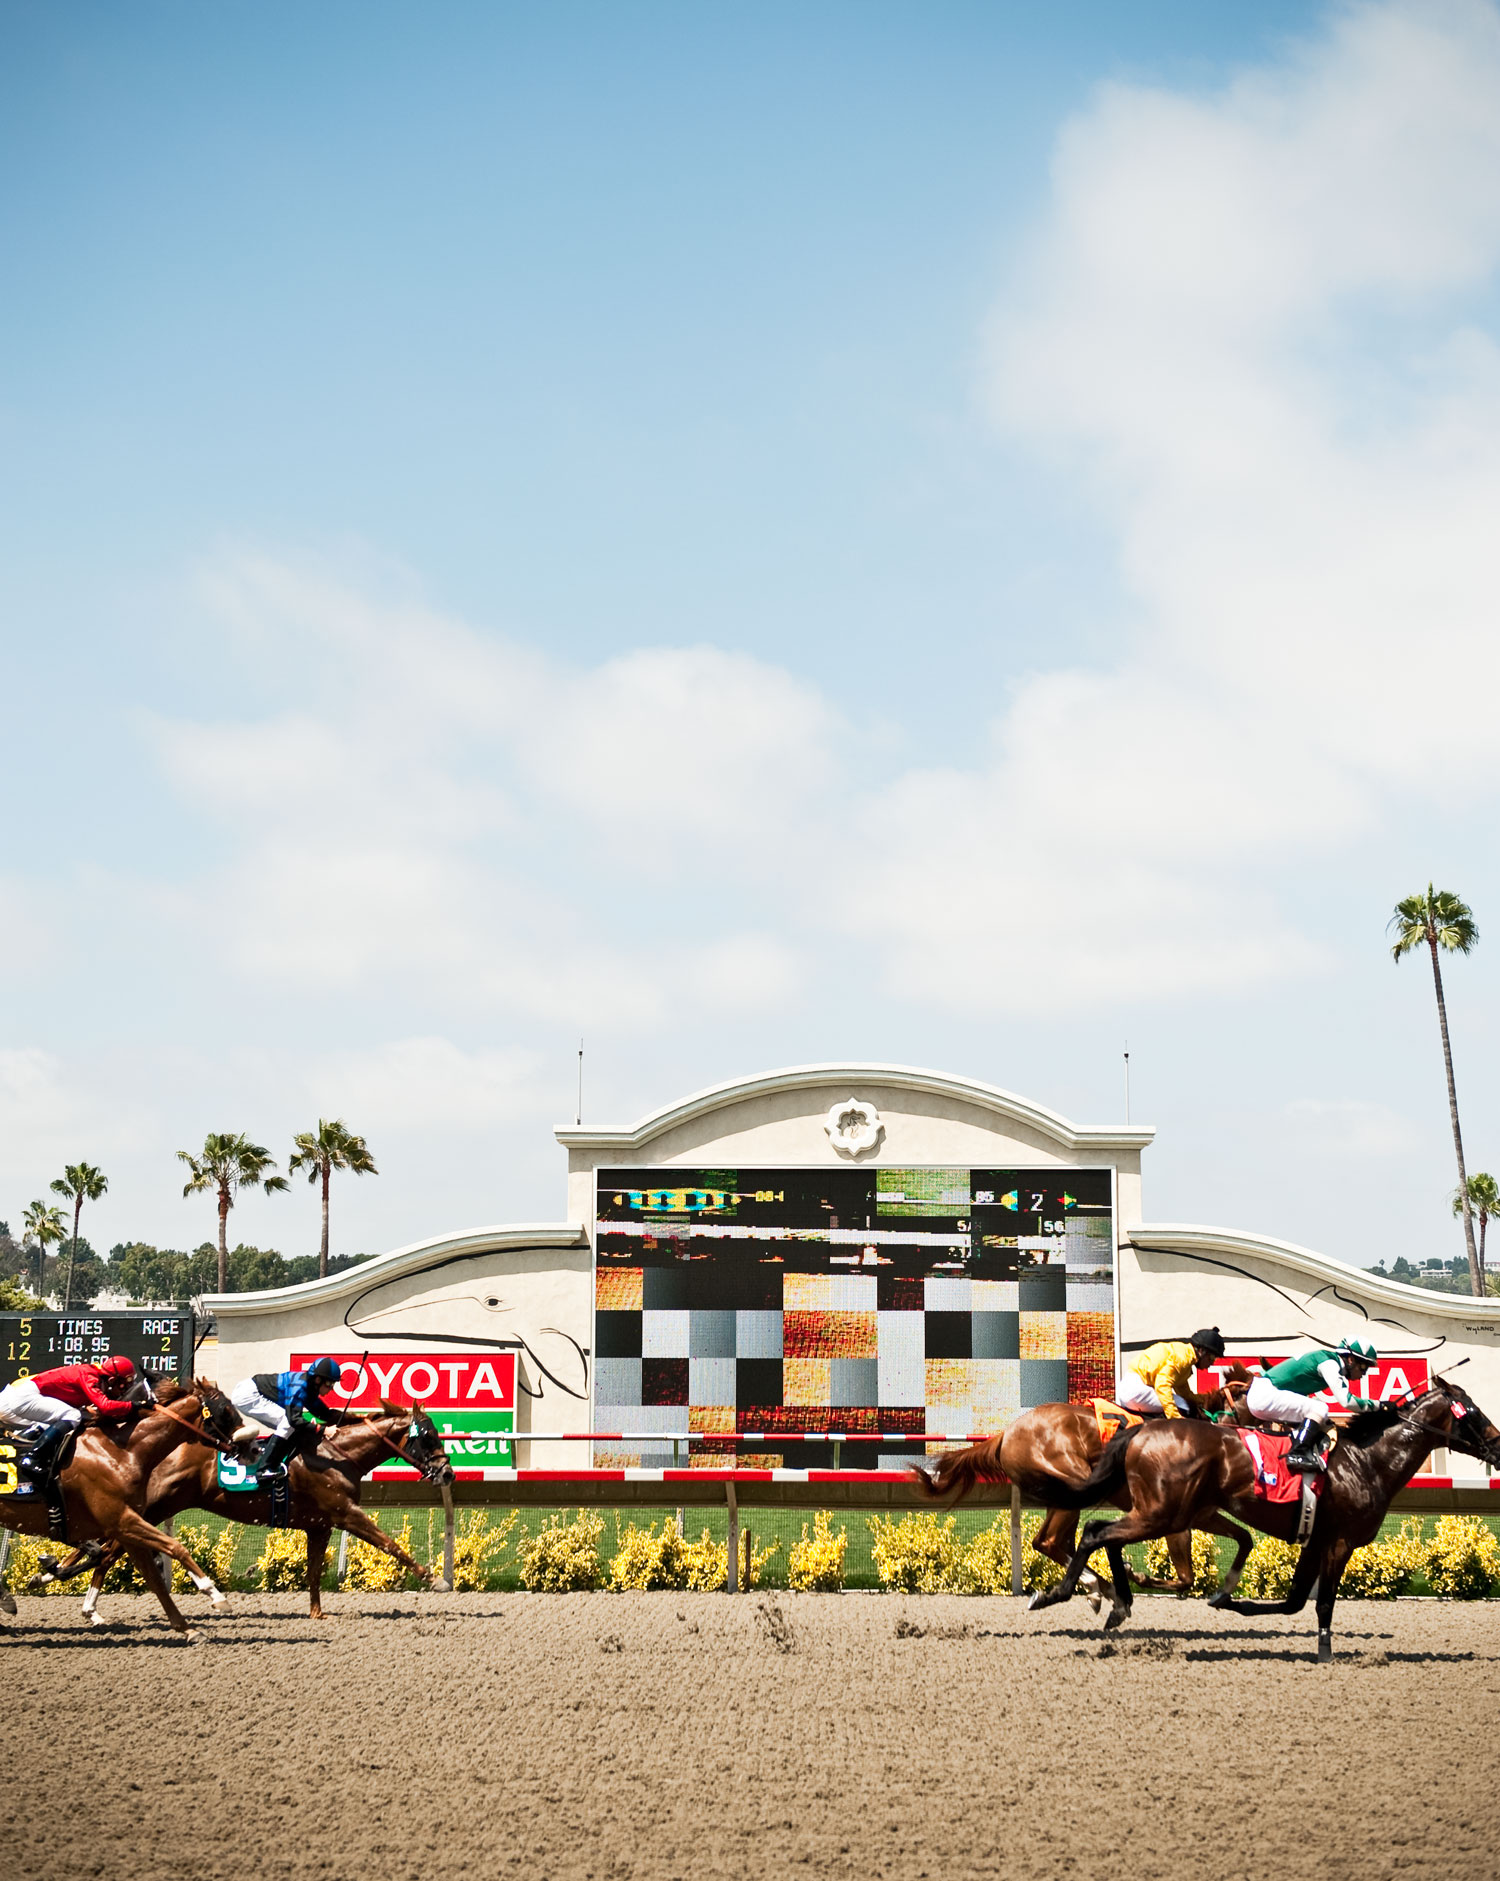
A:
(1177, 1474)
(324, 1485)
(1054, 1447)
(105, 1490)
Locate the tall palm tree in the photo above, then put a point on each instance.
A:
(226, 1165)
(81, 1183)
(331, 1146)
(44, 1225)
(1443, 922)
(1484, 1200)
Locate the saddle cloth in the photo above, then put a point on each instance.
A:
(1112, 1418)
(1274, 1482)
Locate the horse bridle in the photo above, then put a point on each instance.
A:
(400, 1449)
(1460, 1411)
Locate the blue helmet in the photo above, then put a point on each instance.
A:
(324, 1372)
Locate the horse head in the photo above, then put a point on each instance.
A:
(421, 1441)
(1470, 1430)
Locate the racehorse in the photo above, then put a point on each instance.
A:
(1054, 1447)
(324, 1486)
(105, 1489)
(1176, 1474)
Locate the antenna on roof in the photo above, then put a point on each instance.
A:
(579, 1116)
(1127, 1080)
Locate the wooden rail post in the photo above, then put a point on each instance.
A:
(1017, 1584)
(733, 1583)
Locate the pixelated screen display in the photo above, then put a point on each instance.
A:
(904, 1305)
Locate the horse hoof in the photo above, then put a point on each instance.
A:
(189, 1637)
(7, 1602)
(1112, 1619)
(1094, 1597)
(439, 1586)
(217, 1599)
(38, 1583)
(1218, 1600)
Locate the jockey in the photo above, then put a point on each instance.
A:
(1158, 1382)
(53, 1403)
(288, 1404)
(1280, 1396)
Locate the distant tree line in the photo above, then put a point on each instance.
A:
(29, 1273)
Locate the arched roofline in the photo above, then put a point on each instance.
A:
(1072, 1137)
(1229, 1244)
(412, 1259)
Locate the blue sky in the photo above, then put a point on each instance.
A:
(755, 534)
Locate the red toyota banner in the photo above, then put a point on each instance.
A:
(1386, 1379)
(458, 1381)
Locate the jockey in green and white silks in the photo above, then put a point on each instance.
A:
(1282, 1396)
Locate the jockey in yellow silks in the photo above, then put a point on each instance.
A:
(1158, 1383)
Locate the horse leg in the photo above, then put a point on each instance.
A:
(1303, 1576)
(1330, 1573)
(1124, 1599)
(1055, 1539)
(1218, 1523)
(146, 1566)
(354, 1519)
(1180, 1551)
(1087, 1543)
(317, 1554)
(91, 1598)
(135, 1532)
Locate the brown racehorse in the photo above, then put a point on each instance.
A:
(1181, 1474)
(324, 1485)
(1056, 1445)
(105, 1490)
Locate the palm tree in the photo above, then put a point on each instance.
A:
(1442, 921)
(44, 1225)
(1484, 1200)
(227, 1164)
(81, 1183)
(331, 1146)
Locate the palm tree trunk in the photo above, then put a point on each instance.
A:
(1476, 1278)
(223, 1240)
(323, 1250)
(1484, 1222)
(72, 1254)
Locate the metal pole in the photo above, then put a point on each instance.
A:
(1127, 1080)
(578, 1118)
(733, 1540)
(1017, 1586)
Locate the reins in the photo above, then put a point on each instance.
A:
(390, 1441)
(203, 1436)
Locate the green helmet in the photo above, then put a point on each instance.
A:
(1355, 1349)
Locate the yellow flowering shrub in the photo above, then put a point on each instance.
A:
(562, 1557)
(644, 1559)
(920, 1554)
(477, 1547)
(370, 1570)
(1268, 1571)
(282, 1564)
(816, 1562)
(1205, 1562)
(1386, 1567)
(26, 1553)
(1463, 1558)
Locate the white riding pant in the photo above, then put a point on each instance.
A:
(21, 1403)
(1134, 1394)
(247, 1397)
(1272, 1405)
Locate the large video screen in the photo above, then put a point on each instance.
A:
(901, 1305)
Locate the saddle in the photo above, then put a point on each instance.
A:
(18, 1480)
(1112, 1418)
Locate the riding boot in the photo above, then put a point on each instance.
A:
(40, 1464)
(1306, 1453)
(271, 1464)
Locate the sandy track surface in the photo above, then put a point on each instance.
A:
(660, 1735)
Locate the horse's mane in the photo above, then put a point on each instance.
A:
(1366, 1425)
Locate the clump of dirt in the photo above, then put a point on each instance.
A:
(908, 1629)
(611, 1642)
(1153, 1646)
(775, 1625)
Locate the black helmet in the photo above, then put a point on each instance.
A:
(1209, 1339)
(324, 1371)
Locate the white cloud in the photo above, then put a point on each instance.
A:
(418, 1084)
(1350, 1128)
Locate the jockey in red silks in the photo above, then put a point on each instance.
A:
(55, 1402)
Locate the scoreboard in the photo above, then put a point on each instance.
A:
(160, 1343)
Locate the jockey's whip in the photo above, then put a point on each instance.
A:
(344, 1407)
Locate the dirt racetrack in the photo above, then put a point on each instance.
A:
(658, 1735)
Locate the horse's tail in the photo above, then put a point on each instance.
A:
(957, 1471)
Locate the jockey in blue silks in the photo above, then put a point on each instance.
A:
(288, 1404)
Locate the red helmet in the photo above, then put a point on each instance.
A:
(117, 1367)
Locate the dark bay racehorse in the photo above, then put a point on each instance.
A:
(324, 1484)
(1182, 1474)
(106, 1491)
(1047, 1452)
